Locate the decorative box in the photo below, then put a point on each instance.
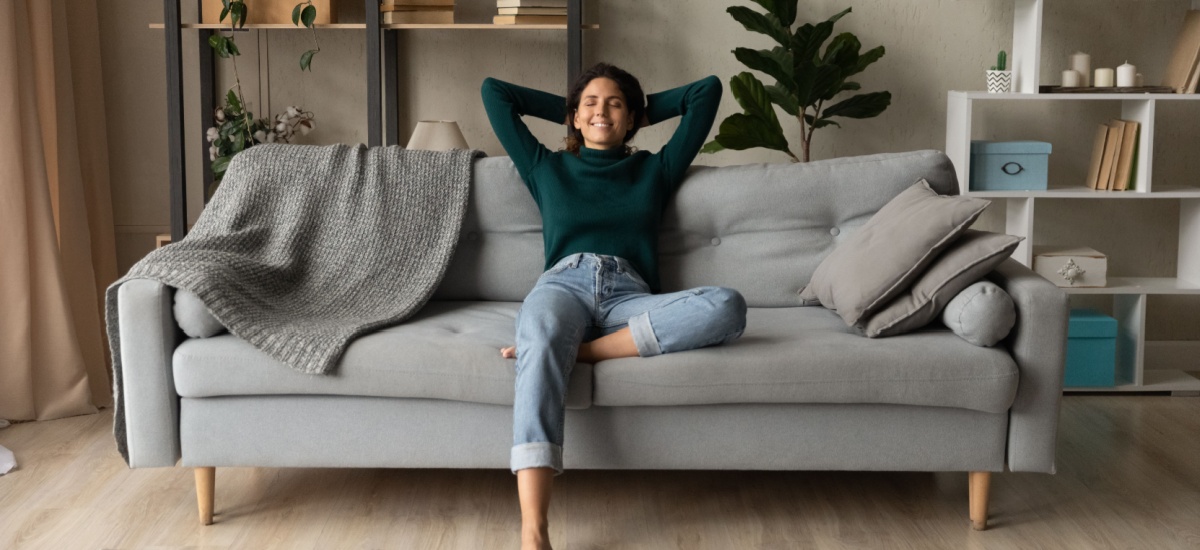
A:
(270, 11)
(1009, 165)
(1091, 350)
(1078, 267)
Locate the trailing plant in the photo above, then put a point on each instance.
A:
(806, 79)
(236, 128)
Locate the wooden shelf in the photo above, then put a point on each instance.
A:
(1074, 97)
(1086, 193)
(363, 26)
(1155, 381)
(1141, 285)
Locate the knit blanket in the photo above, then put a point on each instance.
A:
(304, 248)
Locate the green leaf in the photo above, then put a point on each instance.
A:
(819, 123)
(753, 98)
(216, 42)
(712, 147)
(740, 131)
(784, 99)
(814, 82)
(309, 15)
(231, 99)
(231, 47)
(220, 165)
(224, 12)
(807, 41)
(240, 19)
(768, 5)
(860, 106)
(225, 4)
(765, 61)
(866, 59)
(764, 24)
(848, 86)
(785, 10)
(843, 51)
(306, 59)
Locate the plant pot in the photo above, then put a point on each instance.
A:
(999, 82)
(270, 11)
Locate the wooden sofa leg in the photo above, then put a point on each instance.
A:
(978, 485)
(206, 480)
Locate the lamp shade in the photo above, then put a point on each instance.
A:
(437, 135)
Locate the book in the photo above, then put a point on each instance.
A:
(1182, 69)
(529, 20)
(1116, 130)
(383, 4)
(1097, 156)
(533, 11)
(1124, 170)
(531, 4)
(425, 17)
(399, 8)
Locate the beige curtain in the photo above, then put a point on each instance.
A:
(57, 251)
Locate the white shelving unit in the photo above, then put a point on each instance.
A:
(1129, 294)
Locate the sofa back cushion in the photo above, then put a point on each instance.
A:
(759, 228)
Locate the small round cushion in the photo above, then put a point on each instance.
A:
(981, 314)
(193, 317)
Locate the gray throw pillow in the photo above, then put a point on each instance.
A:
(966, 260)
(981, 314)
(193, 316)
(883, 257)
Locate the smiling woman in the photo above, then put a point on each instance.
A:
(601, 204)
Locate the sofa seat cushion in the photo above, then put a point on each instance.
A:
(448, 350)
(809, 355)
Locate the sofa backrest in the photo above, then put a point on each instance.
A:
(759, 228)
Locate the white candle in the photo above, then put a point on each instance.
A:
(1082, 64)
(1070, 78)
(1126, 75)
(1104, 78)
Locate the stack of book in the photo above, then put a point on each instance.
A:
(417, 12)
(1183, 71)
(531, 12)
(1114, 156)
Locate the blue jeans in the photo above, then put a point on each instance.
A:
(585, 296)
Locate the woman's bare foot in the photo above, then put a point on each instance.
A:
(509, 353)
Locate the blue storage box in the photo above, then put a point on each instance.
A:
(1091, 350)
(1009, 165)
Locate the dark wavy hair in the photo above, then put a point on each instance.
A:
(635, 101)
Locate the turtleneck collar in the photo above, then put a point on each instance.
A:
(615, 153)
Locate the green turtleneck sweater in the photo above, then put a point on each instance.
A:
(602, 201)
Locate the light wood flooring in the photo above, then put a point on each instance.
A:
(1129, 477)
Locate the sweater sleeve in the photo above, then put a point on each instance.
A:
(697, 103)
(505, 104)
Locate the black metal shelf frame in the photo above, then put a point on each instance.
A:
(381, 72)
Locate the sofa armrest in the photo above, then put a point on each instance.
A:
(1038, 344)
(148, 338)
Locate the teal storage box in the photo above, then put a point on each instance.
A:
(1091, 350)
(1009, 165)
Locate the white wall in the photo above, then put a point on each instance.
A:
(932, 47)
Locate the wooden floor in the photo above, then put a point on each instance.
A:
(1129, 477)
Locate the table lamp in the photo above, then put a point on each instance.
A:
(437, 135)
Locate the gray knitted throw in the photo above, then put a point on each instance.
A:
(305, 248)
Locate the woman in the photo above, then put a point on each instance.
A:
(601, 205)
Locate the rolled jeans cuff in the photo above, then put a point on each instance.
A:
(536, 455)
(643, 335)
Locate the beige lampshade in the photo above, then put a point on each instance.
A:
(437, 135)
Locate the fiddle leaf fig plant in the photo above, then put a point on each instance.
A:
(806, 80)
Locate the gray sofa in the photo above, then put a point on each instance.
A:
(799, 391)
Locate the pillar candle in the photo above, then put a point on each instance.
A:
(1070, 78)
(1104, 78)
(1082, 64)
(1126, 75)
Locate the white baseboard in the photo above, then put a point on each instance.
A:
(1173, 355)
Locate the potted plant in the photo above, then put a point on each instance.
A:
(807, 81)
(999, 81)
(236, 128)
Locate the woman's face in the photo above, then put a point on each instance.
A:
(602, 116)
